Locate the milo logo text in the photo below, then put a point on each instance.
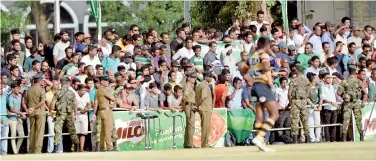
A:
(129, 131)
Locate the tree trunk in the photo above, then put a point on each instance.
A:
(41, 22)
(267, 15)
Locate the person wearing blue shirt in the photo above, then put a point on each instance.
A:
(28, 65)
(4, 126)
(78, 45)
(315, 40)
(93, 123)
(112, 61)
(15, 122)
(327, 36)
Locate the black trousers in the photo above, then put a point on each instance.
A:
(330, 117)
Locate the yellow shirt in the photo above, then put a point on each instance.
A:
(257, 68)
(120, 43)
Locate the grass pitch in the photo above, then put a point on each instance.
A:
(319, 151)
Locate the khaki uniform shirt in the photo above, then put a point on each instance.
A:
(34, 95)
(102, 97)
(204, 97)
(189, 95)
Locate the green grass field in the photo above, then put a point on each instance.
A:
(319, 151)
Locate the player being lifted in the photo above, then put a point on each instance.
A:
(257, 70)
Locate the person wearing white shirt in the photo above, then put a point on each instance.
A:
(328, 95)
(281, 94)
(355, 38)
(144, 90)
(227, 59)
(235, 95)
(300, 39)
(128, 62)
(83, 105)
(59, 48)
(248, 43)
(326, 53)
(315, 40)
(105, 47)
(91, 58)
(340, 37)
(260, 21)
(186, 51)
(314, 68)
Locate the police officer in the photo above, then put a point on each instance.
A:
(352, 90)
(106, 102)
(299, 93)
(204, 104)
(35, 100)
(188, 102)
(66, 113)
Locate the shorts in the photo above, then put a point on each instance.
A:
(262, 92)
(82, 124)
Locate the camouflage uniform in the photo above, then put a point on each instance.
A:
(65, 103)
(352, 89)
(299, 89)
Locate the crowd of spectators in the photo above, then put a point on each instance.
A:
(146, 70)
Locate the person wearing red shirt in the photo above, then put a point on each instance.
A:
(221, 91)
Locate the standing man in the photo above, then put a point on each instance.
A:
(204, 104)
(65, 101)
(299, 94)
(106, 102)
(190, 109)
(35, 101)
(4, 126)
(352, 90)
(59, 48)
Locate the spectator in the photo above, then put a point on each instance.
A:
(16, 49)
(15, 122)
(151, 100)
(14, 75)
(176, 99)
(315, 40)
(221, 92)
(355, 37)
(371, 82)
(33, 56)
(47, 73)
(11, 61)
(177, 43)
(314, 109)
(227, 59)
(197, 60)
(112, 61)
(126, 99)
(284, 111)
(71, 69)
(235, 95)
(61, 63)
(304, 58)
(3, 120)
(99, 70)
(35, 70)
(59, 51)
(143, 58)
(16, 35)
(83, 105)
(186, 51)
(91, 58)
(78, 45)
(328, 36)
(328, 96)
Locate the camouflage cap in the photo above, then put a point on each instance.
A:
(351, 64)
(64, 79)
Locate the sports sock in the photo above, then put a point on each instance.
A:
(257, 127)
(268, 124)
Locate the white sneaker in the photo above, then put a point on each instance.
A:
(258, 141)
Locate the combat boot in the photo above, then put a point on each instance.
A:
(295, 139)
(76, 147)
(97, 146)
(115, 146)
(307, 139)
(55, 149)
(344, 137)
(361, 136)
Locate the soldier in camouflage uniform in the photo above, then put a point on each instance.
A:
(66, 109)
(299, 93)
(352, 90)
(98, 128)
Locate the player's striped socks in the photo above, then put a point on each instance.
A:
(268, 124)
(257, 127)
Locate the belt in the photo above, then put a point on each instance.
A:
(299, 98)
(106, 108)
(189, 104)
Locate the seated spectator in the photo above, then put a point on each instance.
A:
(126, 100)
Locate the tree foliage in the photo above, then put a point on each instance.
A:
(14, 18)
(164, 16)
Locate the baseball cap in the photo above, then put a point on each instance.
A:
(282, 45)
(328, 24)
(291, 47)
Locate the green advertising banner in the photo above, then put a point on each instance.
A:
(240, 123)
(130, 130)
(236, 50)
(368, 123)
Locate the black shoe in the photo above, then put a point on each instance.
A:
(307, 139)
(361, 136)
(295, 139)
(190, 147)
(115, 146)
(55, 149)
